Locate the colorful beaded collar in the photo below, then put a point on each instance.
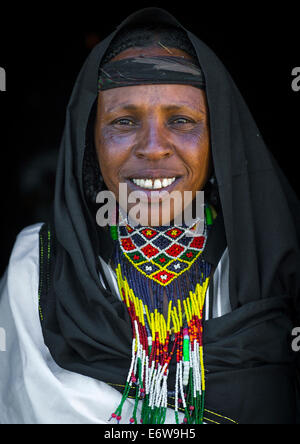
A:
(161, 254)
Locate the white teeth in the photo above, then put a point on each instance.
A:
(157, 184)
(153, 185)
(148, 183)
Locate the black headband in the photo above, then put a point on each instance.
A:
(150, 70)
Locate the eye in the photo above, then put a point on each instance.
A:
(124, 122)
(182, 121)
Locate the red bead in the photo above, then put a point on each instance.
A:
(119, 418)
(131, 420)
(192, 407)
(113, 415)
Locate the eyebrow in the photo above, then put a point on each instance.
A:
(169, 108)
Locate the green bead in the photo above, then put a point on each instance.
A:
(186, 349)
(114, 232)
(208, 215)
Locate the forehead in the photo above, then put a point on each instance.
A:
(152, 96)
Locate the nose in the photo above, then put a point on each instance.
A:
(154, 143)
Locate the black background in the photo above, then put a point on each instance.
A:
(43, 46)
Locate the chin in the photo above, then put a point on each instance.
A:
(150, 216)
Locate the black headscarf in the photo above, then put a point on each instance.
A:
(87, 330)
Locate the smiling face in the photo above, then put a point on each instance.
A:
(153, 137)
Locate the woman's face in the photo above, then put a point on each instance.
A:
(153, 137)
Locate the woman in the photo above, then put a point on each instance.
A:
(100, 323)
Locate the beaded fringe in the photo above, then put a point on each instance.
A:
(151, 356)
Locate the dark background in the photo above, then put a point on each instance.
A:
(42, 49)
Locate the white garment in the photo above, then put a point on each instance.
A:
(33, 388)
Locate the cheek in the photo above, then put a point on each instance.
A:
(111, 156)
(196, 156)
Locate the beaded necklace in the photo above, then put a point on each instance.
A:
(162, 280)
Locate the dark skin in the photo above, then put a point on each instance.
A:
(153, 132)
